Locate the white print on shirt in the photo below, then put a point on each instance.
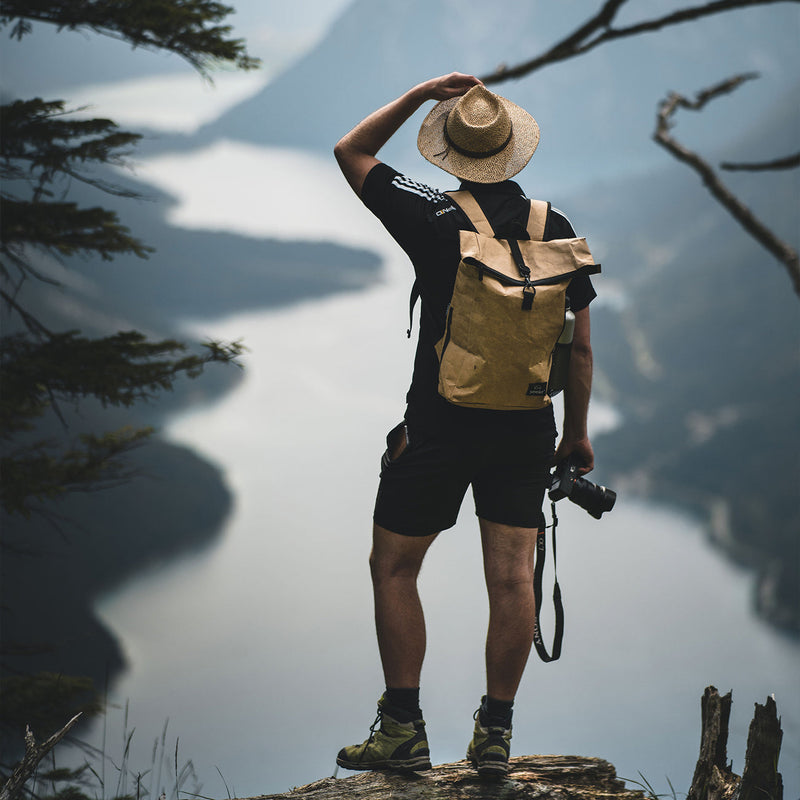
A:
(419, 189)
(561, 213)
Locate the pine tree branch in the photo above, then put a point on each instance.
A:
(39, 374)
(598, 30)
(185, 27)
(38, 473)
(760, 232)
(41, 144)
(117, 370)
(66, 229)
(30, 322)
(40, 141)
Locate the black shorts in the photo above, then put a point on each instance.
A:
(425, 476)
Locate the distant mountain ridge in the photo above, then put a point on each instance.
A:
(703, 359)
(596, 111)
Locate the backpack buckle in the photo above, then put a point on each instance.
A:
(528, 295)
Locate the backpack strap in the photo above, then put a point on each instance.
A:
(537, 219)
(469, 205)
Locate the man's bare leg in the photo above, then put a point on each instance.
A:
(395, 563)
(401, 742)
(508, 554)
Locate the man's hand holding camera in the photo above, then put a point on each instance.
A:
(580, 449)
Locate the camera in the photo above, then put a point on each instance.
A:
(567, 482)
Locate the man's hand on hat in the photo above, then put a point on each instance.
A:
(453, 85)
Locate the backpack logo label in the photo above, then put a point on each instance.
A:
(536, 390)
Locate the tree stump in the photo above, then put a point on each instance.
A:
(761, 778)
(713, 777)
(530, 778)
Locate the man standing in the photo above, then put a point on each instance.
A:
(441, 448)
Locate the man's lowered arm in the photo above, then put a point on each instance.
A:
(575, 437)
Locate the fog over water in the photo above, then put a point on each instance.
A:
(261, 650)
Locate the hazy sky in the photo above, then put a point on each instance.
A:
(53, 64)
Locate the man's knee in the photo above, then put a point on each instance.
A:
(395, 556)
(512, 580)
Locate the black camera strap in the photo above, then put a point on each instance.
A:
(538, 572)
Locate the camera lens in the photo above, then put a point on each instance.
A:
(596, 500)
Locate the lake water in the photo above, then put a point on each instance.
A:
(260, 651)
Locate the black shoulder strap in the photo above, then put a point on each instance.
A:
(541, 551)
(466, 201)
(469, 205)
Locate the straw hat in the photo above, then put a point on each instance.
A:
(479, 136)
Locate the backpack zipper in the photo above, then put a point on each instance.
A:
(503, 278)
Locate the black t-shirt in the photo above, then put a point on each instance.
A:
(425, 223)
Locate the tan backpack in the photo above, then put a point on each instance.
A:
(507, 312)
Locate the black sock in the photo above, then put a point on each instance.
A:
(496, 713)
(404, 704)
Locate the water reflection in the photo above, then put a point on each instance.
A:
(261, 651)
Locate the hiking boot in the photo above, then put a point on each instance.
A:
(489, 749)
(401, 746)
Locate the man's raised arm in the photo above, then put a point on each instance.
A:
(356, 150)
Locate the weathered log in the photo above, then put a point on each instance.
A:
(530, 778)
(761, 778)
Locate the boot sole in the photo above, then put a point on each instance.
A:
(419, 764)
(491, 770)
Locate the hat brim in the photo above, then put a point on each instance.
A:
(493, 169)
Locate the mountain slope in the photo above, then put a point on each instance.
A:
(596, 111)
(703, 360)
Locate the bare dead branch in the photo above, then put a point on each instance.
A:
(789, 162)
(34, 753)
(704, 96)
(577, 42)
(763, 235)
(598, 30)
